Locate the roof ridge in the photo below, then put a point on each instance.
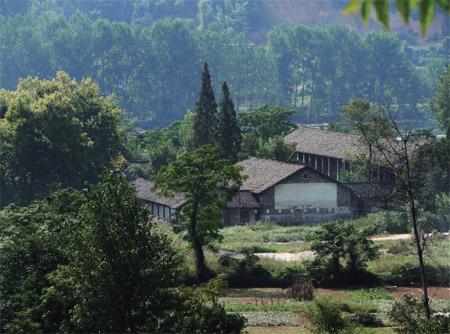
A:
(326, 131)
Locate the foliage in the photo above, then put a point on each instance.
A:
(205, 120)
(33, 243)
(137, 171)
(376, 293)
(193, 311)
(150, 64)
(245, 272)
(440, 102)
(92, 261)
(408, 313)
(208, 184)
(337, 240)
(405, 8)
(228, 132)
(408, 273)
(118, 257)
(55, 134)
(365, 319)
(325, 316)
(267, 122)
(362, 117)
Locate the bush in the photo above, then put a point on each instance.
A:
(409, 314)
(245, 272)
(409, 274)
(326, 317)
(366, 319)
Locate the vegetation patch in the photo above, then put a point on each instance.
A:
(271, 318)
(378, 293)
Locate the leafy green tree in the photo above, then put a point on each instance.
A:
(326, 317)
(208, 183)
(440, 103)
(277, 149)
(205, 121)
(267, 122)
(55, 134)
(33, 242)
(228, 131)
(336, 240)
(92, 261)
(405, 8)
(408, 314)
(120, 263)
(362, 116)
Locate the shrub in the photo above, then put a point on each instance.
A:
(326, 317)
(366, 319)
(245, 272)
(409, 314)
(409, 273)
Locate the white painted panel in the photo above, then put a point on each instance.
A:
(319, 195)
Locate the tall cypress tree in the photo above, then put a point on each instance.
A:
(205, 121)
(228, 131)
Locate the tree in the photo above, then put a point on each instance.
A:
(336, 240)
(92, 261)
(208, 184)
(361, 116)
(267, 122)
(55, 134)
(398, 149)
(119, 258)
(440, 102)
(205, 121)
(228, 131)
(405, 7)
(33, 242)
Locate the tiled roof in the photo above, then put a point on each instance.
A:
(264, 173)
(326, 143)
(372, 189)
(245, 199)
(145, 192)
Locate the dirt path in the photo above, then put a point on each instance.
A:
(407, 236)
(288, 256)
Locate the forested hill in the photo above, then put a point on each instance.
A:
(255, 17)
(153, 65)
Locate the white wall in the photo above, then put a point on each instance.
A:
(298, 195)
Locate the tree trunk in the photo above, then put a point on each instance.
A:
(423, 277)
(200, 266)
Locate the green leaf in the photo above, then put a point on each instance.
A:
(382, 10)
(365, 10)
(404, 9)
(426, 14)
(351, 7)
(444, 4)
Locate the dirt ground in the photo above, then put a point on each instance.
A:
(288, 256)
(433, 292)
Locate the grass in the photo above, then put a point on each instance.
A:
(267, 236)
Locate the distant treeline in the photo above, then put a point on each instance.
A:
(155, 70)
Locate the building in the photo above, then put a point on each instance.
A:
(331, 152)
(273, 190)
(291, 193)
